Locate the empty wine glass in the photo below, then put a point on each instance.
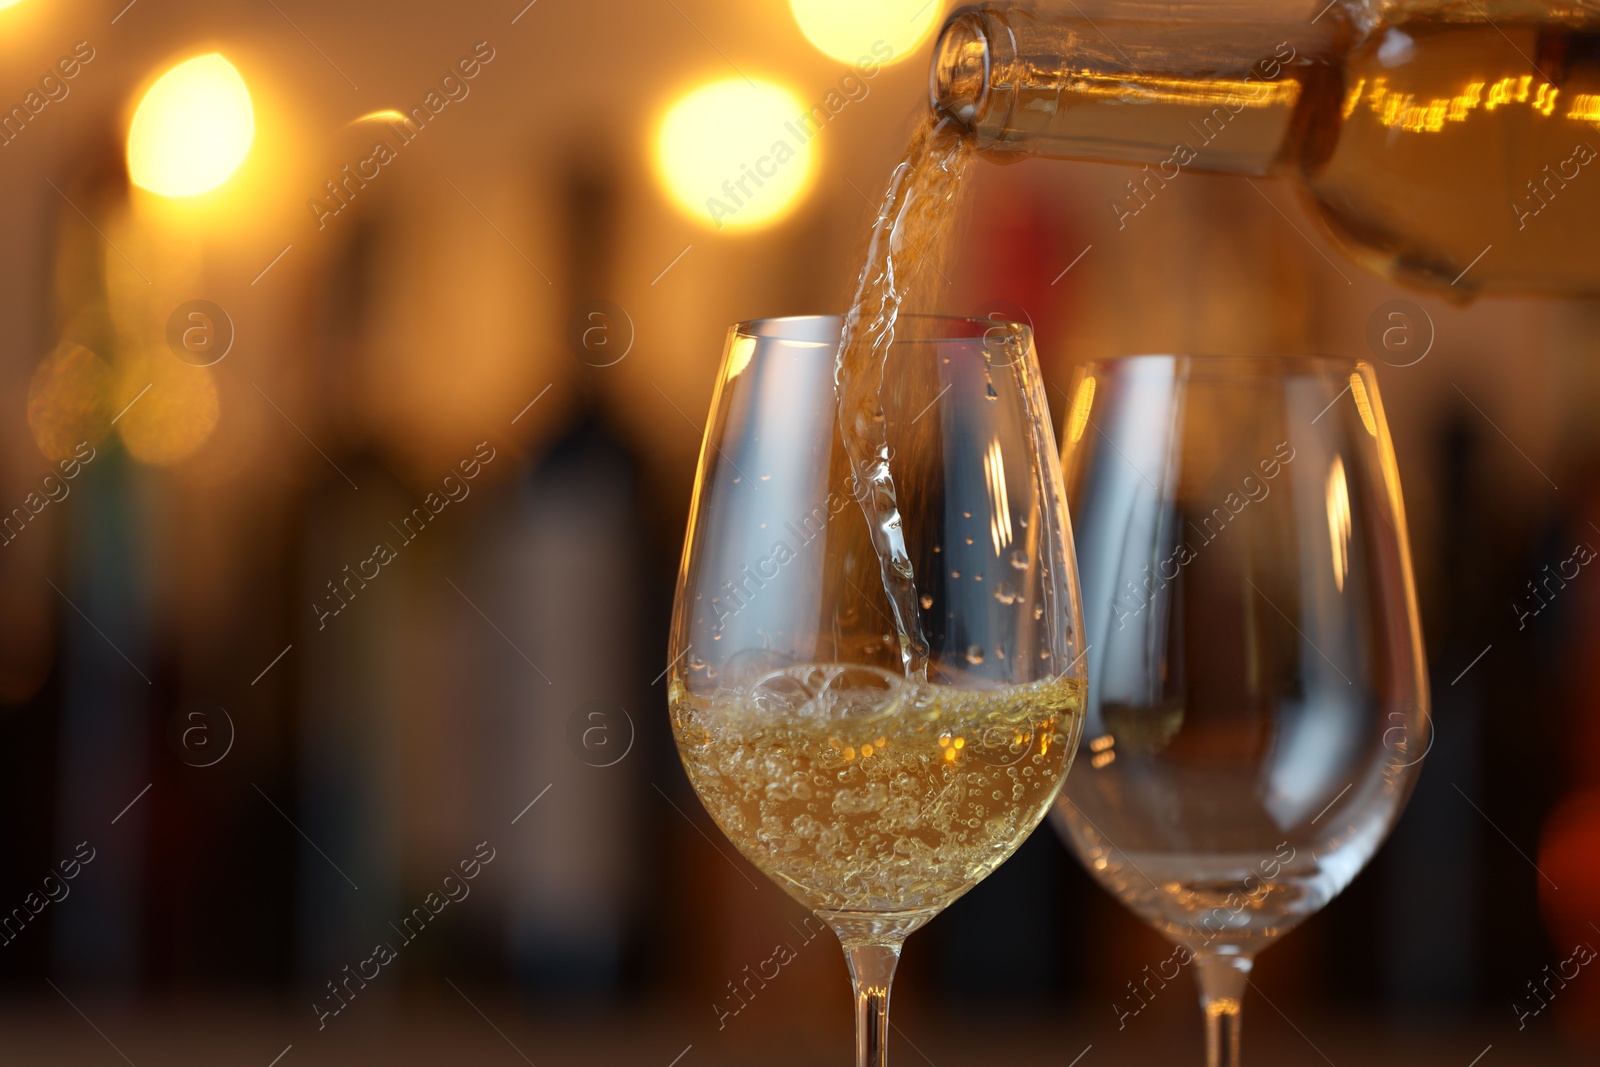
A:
(873, 789)
(1257, 704)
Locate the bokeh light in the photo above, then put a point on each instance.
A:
(1569, 857)
(851, 31)
(735, 154)
(192, 129)
(167, 409)
(69, 401)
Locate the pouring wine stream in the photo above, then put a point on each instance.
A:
(911, 228)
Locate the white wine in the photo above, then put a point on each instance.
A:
(859, 791)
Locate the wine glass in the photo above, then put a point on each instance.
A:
(872, 789)
(1258, 706)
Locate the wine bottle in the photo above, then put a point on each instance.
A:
(1450, 146)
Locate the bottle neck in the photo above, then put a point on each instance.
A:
(1228, 98)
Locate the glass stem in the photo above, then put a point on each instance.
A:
(871, 973)
(1222, 978)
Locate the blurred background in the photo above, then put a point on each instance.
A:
(354, 365)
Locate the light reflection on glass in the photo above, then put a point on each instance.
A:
(1358, 390)
(1158, 89)
(1405, 111)
(739, 355)
(1081, 403)
(994, 475)
(1339, 521)
(387, 114)
(1585, 108)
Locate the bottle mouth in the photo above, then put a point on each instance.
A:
(959, 78)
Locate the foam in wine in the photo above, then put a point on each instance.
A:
(857, 790)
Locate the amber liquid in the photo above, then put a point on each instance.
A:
(859, 791)
(1463, 156)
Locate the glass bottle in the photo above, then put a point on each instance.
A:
(1449, 145)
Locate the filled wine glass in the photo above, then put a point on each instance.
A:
(1258, 706)
(877, 734)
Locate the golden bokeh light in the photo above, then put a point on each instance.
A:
(69, 401)
(735, 154)
(854, 32)
(166, 409)
(192, 128)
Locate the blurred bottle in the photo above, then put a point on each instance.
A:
(560, 571)
(1446, 144)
